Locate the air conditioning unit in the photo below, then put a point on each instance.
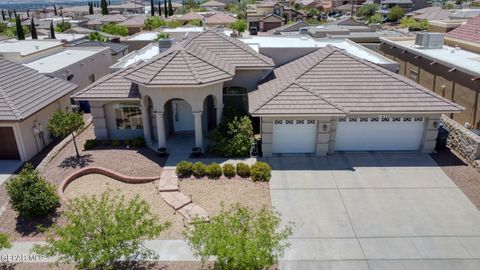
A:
(427, 40)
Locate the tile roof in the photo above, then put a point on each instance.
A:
(115, 48)
(431, 13)
(345, 82)
(24, 91)
(267, 3)
(177, 67)
(469, 31)
(190, 16)
(111, 86)
(135, 21)
(219, 18)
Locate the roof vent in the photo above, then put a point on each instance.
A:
(427, 40)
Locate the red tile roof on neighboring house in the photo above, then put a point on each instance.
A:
(470, 31)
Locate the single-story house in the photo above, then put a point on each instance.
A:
(329, 101)
(27, 100)
(215, 5)
(325, 101)
(182, 89)
(219, 19)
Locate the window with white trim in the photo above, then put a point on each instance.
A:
(374, 119)
(278, 122)
(352, 119)
(418, 119)
(128, 116)
(396, 119)
(363, 119)
(407, 119)
(300, 122)
(289, 122)
(385, 119)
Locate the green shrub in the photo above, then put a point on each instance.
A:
(261, 171)
(116, 143)
(243, 170)
(234, 136)
(229, 170)
(214, 171)
(115, 29)
(199, 169)
(184, 168)
(30, 195)
(138, 142)
(89, 144)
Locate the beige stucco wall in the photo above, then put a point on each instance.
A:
(326, 136)
(30, 144)
(247, 78)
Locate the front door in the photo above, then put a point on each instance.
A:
(182, 116)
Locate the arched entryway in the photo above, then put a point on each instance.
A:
(178, 116)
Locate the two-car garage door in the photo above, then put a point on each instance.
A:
(379, 133)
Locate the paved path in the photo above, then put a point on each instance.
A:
(168, 250)
(374, 211)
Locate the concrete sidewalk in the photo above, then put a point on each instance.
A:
(168, 250)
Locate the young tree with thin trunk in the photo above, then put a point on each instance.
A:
(152, 8)
(20, 33)
(90, 8)
(52, 30)
(28, 13)
(166, 8)
(3, 15)
(55, 9)
(33, 30)
(159, 9)
(170, 9)
(64, 123)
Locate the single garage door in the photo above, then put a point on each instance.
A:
(8, 144)
(294, 136)
(379, 133)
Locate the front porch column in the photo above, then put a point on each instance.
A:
(198, 129)
(219, 109)
(146, 126)
(162, 141)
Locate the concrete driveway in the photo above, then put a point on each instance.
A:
(374, 211)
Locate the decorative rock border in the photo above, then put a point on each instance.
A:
(100, 170)
(169, 190)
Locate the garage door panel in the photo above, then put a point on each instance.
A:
(294, 136)
(8, 144)
(403, 134)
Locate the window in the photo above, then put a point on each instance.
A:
(418, 119)
(289, 122)
(352, 119)
(236, 97)
(396, 119)
(363, 119)
(311, 122)
(128, 116)
(278, 122)
(300, 122)
(374, 119)
(385, 119)
(413, 75)
(407, 119)
(91, 78)
(342, 119)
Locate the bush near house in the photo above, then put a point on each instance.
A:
(30, 195)
(414, 25)
(229, 170)
(243, 170)
(115, 29)
(5, 241)
(367, 10)
(89, 144)
(184, 169)
(395, 13)
(199, 169)
(62, 26)
(214, 171)
(234, 135)
(261, 171)
(152, 23)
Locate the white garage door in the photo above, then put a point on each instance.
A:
(294, 136)
(379, 133)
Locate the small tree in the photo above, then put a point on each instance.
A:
(33, 30)
(63, 123)
(100, 230)
(239, 26)
(152, 11)
(240, 238)
(152, 23)
(367, 10)
(90, 8)
(63, 26)
(104, 6)
(52, 30)
(395, 13)
(55, 9)
(4, 241)
(115, 29)
(30, 195)
(96, 36)
(166, 8)
(20, 33)
(159, 9)
(3, 15)
(375, 19)
(170, 8)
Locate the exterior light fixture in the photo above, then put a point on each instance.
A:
(325, 127)
(435, 124)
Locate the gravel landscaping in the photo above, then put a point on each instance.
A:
(465, 176)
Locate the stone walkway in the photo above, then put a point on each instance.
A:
(169, 190)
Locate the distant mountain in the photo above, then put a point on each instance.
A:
(37, 4)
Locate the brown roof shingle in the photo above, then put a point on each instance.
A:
(469, 31)
(24, 91)
(350, 84)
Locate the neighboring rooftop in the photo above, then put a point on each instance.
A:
(144, 54)
(24, 91)
(62, 59)
(115, 47)
(470, 31)
(26, 47)
(213, 3)
(153, 35)
(466, 61)
(431, 13)
(330, 81)
(219, 18)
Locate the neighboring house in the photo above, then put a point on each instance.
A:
(134, 24)
(219, 19)
(466, 35)
(406, 5)
(330, 101)
(97, 23)
(127, 8)
(180, 90)
(142, 39)
(117, 50)
(448, 71)
(288, 28)
(185, 18)
(214, 5)
(78, 11)
(27, 101)
(462, 14)
(430, 13)
(270, 14)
